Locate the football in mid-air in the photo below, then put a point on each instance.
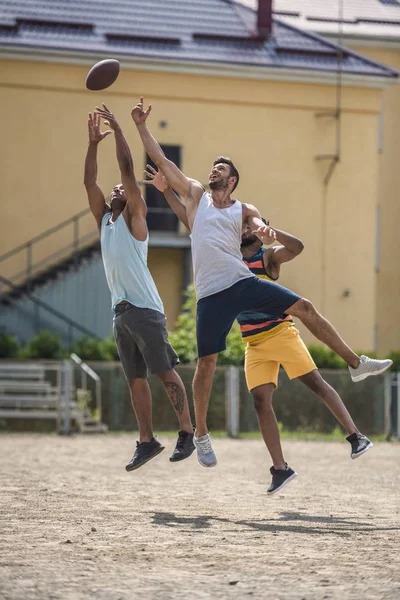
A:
(102, 74)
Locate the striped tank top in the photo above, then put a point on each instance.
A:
(254, 325)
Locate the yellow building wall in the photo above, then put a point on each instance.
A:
(388, 276)
(167, 267)
(268, 128)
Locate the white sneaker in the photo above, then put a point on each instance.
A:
(368, 367)
(205, 453)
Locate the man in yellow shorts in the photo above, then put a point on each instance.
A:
(272, 342)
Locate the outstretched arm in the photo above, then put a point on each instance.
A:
(136, 205)
(188, 188)
(252, 217)
(290, 248)
(94, 192)
(157, 179)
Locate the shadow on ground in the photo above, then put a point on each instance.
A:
(329, 524)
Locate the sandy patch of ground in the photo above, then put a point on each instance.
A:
(75, 525)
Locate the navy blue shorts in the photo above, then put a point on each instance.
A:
(216, 313)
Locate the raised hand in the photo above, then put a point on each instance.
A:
(95, 135)
(265, 234)
(138, 114)
(156, 178)
(108, 117)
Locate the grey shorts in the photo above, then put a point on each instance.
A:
(142, 341)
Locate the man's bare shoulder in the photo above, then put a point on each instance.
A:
(249, 209)
(196, 190)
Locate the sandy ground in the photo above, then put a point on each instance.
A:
(75, 525)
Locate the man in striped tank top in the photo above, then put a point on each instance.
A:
(224, 285)
(139, 323)
(272, 341)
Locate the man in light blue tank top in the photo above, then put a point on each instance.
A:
(139, 323)
(216, 221)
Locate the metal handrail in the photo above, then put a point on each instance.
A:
(86, 370)
(49, 260)
(32, 269)
(48, 308)
(45, 234)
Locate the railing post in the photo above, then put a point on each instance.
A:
(398, 404)
(29, 265)
(76, 241)
(232, 401)
(387, 389)
(66, 397)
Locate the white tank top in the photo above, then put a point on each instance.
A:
(216, 239)
(125, 264)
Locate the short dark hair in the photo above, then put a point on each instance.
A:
(227, 161)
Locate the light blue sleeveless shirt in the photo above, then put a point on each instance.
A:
(125, 264)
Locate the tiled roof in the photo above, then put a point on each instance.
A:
(206, 31)
(361, 18)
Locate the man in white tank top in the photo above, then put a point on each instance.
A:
(139, 322)
(223, 284)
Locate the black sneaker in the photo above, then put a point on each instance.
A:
(143, 453)
(280, 477)
(184, 446)
(359, 444)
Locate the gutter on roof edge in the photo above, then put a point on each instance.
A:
(202, 68)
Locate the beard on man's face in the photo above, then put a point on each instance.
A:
(248, 240)
(220, 184)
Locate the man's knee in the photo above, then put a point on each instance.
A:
(207, 363)
(170, 375)
(262, 396)
(137, 384)
(314, 381)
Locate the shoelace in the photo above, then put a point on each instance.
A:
(205, 445)
(370, 363)
(181, 440)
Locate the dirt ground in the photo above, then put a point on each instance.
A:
(75, 525)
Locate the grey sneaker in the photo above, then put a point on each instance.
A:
(368, 367)
(359, 444)
(205, 453)
(280, 477)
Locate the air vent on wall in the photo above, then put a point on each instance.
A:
(219, 37)
(307, 51)
(48, 24)
(142, 39)
(331, 20)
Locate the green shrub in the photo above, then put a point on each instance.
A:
(325, 358)
(88, 348)
(43, 345)
(9, 347)
(183, 338)
(395, 356)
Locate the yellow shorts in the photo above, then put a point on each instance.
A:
(263, 357)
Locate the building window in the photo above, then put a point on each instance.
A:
(159, 215)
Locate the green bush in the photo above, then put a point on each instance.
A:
(9, 347)
(94, 349)
(325, 358)
(183, 338)
(43, 345)
(395, 356)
